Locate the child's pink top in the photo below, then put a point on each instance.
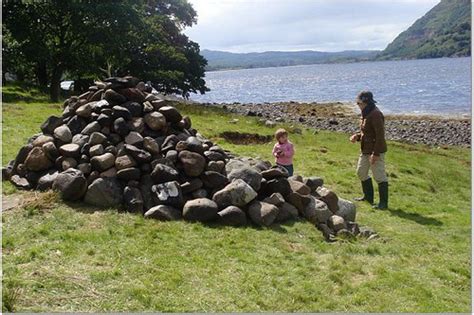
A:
(287, 148)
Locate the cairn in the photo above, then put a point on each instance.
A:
(120, 146)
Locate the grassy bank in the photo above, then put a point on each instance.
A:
(70, 257)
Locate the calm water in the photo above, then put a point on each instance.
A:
(429, 86)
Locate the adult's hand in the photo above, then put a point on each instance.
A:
(374, 158)
(353, 138)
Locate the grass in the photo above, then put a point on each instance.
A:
(70, 257)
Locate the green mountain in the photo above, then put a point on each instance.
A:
(445, 31)
(226, 60)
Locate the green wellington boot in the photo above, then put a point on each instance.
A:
(368, 190)
(383, 194)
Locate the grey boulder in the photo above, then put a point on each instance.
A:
(201, 209)
(347, 209)
(237, 193)
(71, 184)
(163, 213)
(104, 192)
(249, 175)
(262, 213)
(232, 216)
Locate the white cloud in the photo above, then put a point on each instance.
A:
(328, 25)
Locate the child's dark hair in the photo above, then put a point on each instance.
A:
(280, 133)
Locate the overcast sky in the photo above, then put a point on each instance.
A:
(289, 25)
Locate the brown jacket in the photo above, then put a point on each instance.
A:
(372, 133)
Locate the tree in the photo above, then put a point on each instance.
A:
(94, 39)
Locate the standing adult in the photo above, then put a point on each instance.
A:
(373, 148)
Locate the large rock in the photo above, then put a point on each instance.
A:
(96, 150)
(299, 187)
(104, 192)
(322, 211)
(135, 108)
(163, 213)
(71, 184)
(70, 150)
(347, 209)
(195, 145)
(50, 124)
(113, 97)
(163, 173)
(76, 124)
(309, 212)
(168, 193)
(151, 145)
(84, 111)
(262, 213)
(216, 166)
(46, 181)
(134, 138)
(336, 223)
(214, 180)
(234, 164)
(50, 150)
(121, 112)
(275, 199)
(299, 201)
(237, 193)
(171, 114)
(37, 160)
(63, 133)
(41, 140)
(155, 121)
(91, 128)
(329, 197)
(124, 161)
(214, 156)
(202, 210)
(313, 182)
(97, 138)
(232, 216)
(277, 185)
(275, 172)
(249, 175)
(81, 139)
(22, 155)
(103, 162)
(286, 211)
(139, 155)
(20, 182)
(193, 163)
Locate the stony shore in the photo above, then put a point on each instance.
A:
(340, 117)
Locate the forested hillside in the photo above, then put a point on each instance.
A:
(445, 31)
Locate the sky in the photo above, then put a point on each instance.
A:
(291, 25)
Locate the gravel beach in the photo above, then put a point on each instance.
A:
(340, 117)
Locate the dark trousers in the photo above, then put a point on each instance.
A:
(289, 168)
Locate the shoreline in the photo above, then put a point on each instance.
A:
(454, 130)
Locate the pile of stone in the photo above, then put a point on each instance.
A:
(119, 145)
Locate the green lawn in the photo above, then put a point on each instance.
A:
(69, 257)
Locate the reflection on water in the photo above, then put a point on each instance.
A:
(433, 86)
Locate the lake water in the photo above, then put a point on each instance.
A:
(429, 86)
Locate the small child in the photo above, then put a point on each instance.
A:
(283, 150)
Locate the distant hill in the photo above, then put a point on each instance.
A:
(226, 60)
(445, 31)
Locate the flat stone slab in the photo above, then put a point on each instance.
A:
(10, 202)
